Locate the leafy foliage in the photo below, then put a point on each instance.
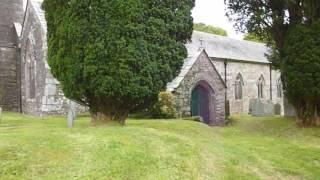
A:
(301, 70)
(271, 19)
(165, 107)
(210, 29)
(115, 56)
(253, 37)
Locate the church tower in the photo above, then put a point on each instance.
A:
(11, 14)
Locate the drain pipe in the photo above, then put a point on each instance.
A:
(270, 82)
(20, 57)
(24, 16)
(227, 104)
(225, 78)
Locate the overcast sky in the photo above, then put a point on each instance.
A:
(212, 12)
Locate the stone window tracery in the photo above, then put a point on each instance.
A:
(238, 87)
(30, 72)
(260, 84)
(279, 88)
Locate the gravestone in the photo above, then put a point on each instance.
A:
(227, 108)
(0, 114)
(71, 113)
(251, 104)
(259, 107)
(277, 109)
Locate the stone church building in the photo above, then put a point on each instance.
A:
(25, 79)
(218, 70)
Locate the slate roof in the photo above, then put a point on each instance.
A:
(187, 65)
(228, 48)
(219, 47)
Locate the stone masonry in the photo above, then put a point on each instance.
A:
(40, 91)
(199, 68)
(250, 72)
(10, 12)
(27, 84)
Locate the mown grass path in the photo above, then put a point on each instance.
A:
(248, 148)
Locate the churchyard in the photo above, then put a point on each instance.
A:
(247, 148)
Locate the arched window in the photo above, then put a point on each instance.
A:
(260, 84)
(30, 72)
(238, 87)
(279, 88)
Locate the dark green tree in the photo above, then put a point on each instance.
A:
(115, 56)
(255, 38)
(301, 71)
(279, 21)
(209, 29)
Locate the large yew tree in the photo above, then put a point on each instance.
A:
(292, 28)
(116, 55)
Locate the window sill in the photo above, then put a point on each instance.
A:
(31, 100)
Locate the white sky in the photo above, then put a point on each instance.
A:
(212, 12)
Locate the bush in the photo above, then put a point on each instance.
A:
(165, 106)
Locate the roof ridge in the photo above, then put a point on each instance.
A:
(36, 4)
(230, 38)
(227, 48)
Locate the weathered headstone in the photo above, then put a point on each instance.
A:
(0, 114)
(288, 108)
(227, 108)
(71, 113)
(261, 107)
(277, 109)
(251, 105)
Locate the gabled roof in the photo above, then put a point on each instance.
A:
(36, 4)
(228, 48)
(187, 65)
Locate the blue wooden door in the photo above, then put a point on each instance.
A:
(194, 103)
(200, 103)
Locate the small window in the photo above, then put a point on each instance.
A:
(32, 80)
(260, 84)
(279, 88)
(30, 72)
(238, 87)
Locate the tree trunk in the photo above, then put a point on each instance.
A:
(317, 116)
(308, 115)
(101, 118)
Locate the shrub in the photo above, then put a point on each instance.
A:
(165, 106)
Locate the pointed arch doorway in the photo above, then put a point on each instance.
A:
(200, 101)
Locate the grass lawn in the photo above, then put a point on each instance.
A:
(249, 148)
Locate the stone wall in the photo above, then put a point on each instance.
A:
(250, 72)
(41, 92)
(33, 63)
(202, 70)
(10, 12)
(9, 82)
